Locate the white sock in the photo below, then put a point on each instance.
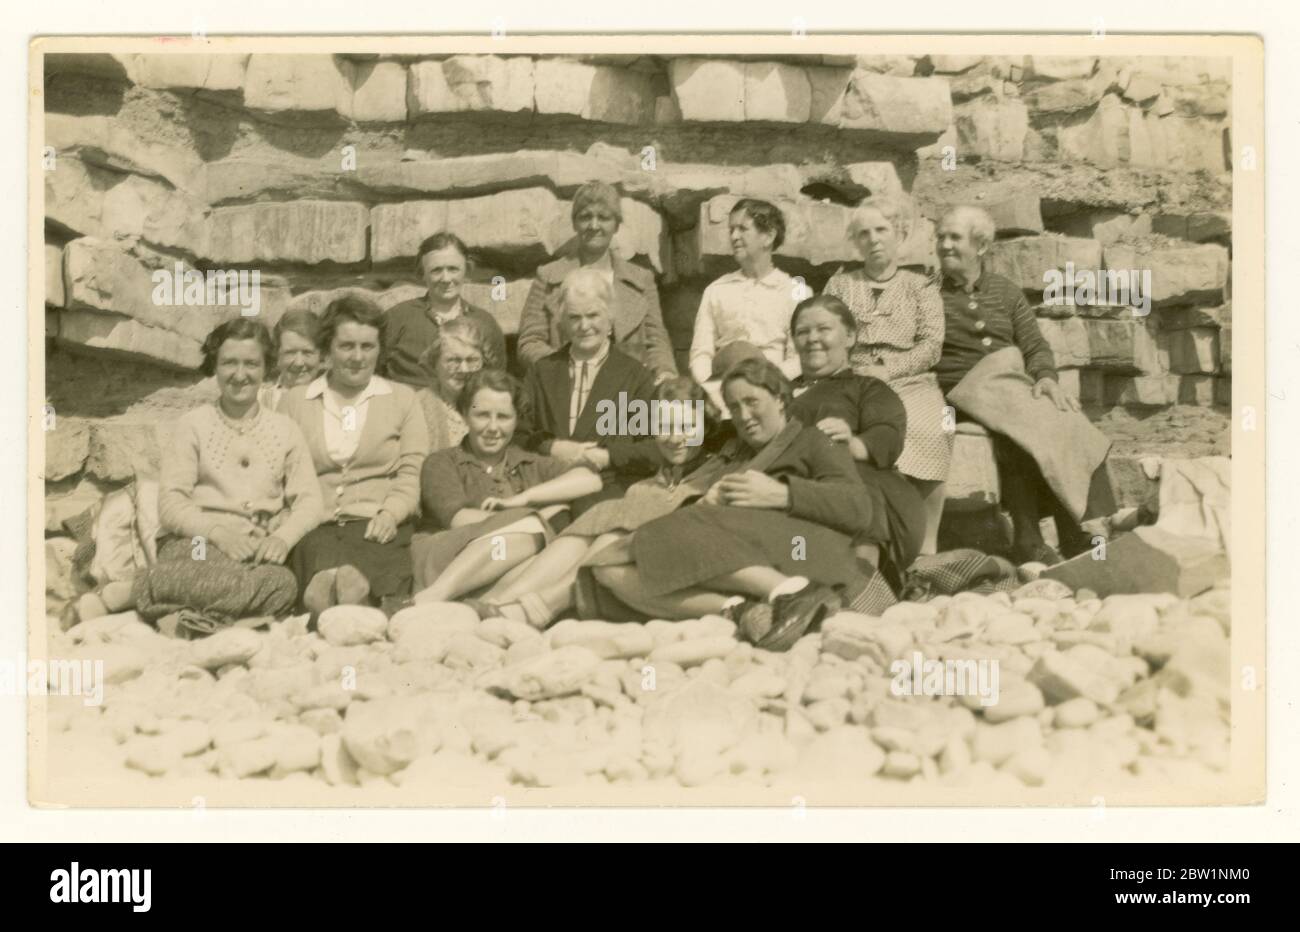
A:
(733, 601)
(789, 587)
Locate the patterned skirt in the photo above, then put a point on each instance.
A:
(927, 448)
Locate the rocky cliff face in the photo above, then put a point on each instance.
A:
(324, 172)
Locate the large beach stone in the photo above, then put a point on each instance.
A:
(850, 635)
(559, 672)
(1062, 677)
(605, 639)
(698, 717)
(346, 625)
(997, 744)
(689, 653)
(227, 646)
(448, 617)
(843, 753)
(1015, 699)
(247, 758)
(384, 735)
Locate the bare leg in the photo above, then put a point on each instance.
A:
(474, 567)
(932, 493)
(557, 562)
(754, 581)
(625, 583)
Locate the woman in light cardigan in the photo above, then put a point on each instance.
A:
(237, 491)
(367, 438)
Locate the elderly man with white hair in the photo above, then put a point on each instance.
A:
(984, 315)
(564, 391)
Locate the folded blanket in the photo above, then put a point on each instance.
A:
(1196, 498)
(1067, 447)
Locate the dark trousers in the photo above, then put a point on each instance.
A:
(1028, 499)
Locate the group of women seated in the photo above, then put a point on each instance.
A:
(327, 473)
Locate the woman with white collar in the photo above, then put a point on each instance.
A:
(367, 438)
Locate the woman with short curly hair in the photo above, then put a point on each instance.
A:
(367, 439)
(236, 493)
(747, 311)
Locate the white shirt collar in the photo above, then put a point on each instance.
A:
(595, 361)
(377, 386)
(775, 278)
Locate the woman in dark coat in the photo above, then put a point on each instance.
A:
(864, 415)
(777, 530)
(575, 394)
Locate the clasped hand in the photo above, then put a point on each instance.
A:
(750, 489)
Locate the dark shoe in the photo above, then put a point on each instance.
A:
(390, 605)
(796, 614)
(1073, 540)
(1034, 553)
(753, 619)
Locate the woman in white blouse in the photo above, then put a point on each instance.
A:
(750, 307)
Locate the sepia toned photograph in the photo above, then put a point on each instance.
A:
(645, 420)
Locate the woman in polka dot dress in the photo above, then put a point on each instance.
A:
(899, 339)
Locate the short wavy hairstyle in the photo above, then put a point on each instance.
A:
(497, 380)
(468, 331)
(442, 240)
(827, 302)
(897, 210)
(237, 328)
(977, 220)
(683, 388)
(304, 323)
(761, 373)
(350, 308)
(587, 281)
(767, 217)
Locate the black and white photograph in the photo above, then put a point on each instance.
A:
(626, 420)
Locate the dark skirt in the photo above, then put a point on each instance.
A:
(901, 529)
(386, 566)
(695, 544)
